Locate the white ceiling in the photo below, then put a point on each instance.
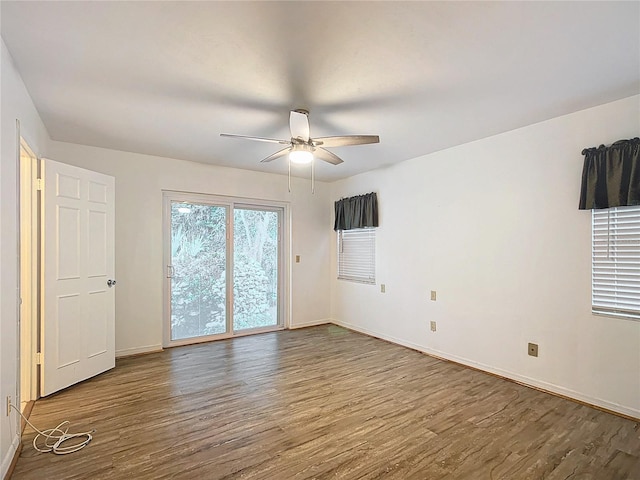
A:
(166, 78)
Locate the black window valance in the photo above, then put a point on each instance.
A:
(356, 212)
(611, 175)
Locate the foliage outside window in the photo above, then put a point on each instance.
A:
(199, 260)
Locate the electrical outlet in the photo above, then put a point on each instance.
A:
(383, 288)
(433, 295)
(8, 405)
(533, 349)
(433, 326)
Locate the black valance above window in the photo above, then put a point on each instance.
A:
(611, 175)
(356, 212)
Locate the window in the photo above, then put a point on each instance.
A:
(357, 255)
(616, 261)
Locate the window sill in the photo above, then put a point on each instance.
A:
(358, 280)
(620, 315)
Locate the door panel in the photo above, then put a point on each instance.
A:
(97, 342)
(78, 325)
(97, 244)
(68, 334)
(67, 239)
(199, 266)
(255, 268)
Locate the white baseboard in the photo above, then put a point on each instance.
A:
(127, 352)
(531, 382)
(312, 323)
(8, 457)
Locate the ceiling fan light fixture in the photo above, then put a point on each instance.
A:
(301, 154)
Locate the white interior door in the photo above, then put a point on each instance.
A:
(78, 324)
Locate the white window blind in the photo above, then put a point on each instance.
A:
(357, 255)
(616, 261)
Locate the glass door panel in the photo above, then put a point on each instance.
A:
(256, 272)
(198, 270)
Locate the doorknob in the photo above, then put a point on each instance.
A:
(111, 283)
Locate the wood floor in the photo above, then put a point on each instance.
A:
(322, 403)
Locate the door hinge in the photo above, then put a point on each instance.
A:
(39, 184)
(39, 358)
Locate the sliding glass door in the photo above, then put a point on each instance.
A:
(198, 270)
(224, 268)
(255, 268)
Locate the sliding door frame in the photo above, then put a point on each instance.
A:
(284, 268)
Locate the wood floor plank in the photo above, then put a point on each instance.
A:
(323, 403)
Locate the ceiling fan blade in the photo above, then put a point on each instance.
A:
(327, 156)
(259, 139)
(346, 140)
(278, 154)
(299, 125)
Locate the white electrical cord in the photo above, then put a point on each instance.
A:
(55, 437)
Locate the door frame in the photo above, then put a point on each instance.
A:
(29, 276)
(284, 306)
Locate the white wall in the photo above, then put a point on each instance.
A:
(140, 180)
(493, 226)
(15, 104)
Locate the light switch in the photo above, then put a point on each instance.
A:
(297, 258)
(433, 295)
(383, 288)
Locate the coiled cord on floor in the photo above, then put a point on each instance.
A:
(55, 437)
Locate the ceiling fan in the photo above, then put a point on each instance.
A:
(301, 148)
